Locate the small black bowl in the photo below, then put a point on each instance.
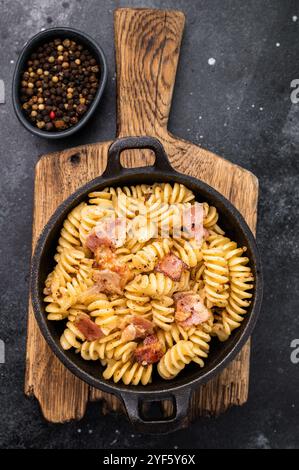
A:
(30, 47)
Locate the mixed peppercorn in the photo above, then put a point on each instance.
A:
(58, 84)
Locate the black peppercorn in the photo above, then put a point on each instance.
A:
(49, 126)
(81, 108)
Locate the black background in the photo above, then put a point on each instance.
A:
(247, 117)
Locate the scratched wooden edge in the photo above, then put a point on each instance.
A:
(198, 394)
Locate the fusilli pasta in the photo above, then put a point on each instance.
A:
(175, 359)
(131, 373)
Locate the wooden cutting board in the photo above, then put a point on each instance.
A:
(147, 44)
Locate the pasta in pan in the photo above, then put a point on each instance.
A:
(69, 237)
(175, 359)
(144, 278)
(129, 372)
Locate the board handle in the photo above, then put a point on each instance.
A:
(147, 47)
(133, 405)
(114, 166)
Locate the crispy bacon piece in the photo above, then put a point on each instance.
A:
(108, 281)
(92, 242)
(104, 257)
(193, 221)
(136, 327)
(113, 278)
(88, 328)
(124, 272)
(171, 266)
(150, 351)
(110, 232)
(110, 275)
(190, 311)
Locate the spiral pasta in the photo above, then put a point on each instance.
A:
(153, 285)
(172, 335)
(138, 303)
(188, 251)
(137, 192)
(90, 217)
(71, 337)
(133, 245)
(124, 256)
(175, 359)
(71, 276)
(241, 281)
(68, 263)
(103, 312)
(54, 310)
(154, 297)
(211, 218)
(126, 206)
(200, 338)
(120, 305)
(161, 214)
(110, 347)
(145, 259)
(94, 351)
(131, 373)
(178, 193)
(69, 235)
(215, 277)
(70, 294)
(163, 312)
(102, 199)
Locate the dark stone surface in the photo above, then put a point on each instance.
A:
(247, 117)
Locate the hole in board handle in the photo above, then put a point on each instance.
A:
(137, 158)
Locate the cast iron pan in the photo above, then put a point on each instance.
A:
(179, 389)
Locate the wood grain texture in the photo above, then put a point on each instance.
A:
(147, 46)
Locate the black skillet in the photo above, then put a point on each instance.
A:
(179, 389)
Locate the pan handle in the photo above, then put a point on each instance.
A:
(114, 166)
(179, 419)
